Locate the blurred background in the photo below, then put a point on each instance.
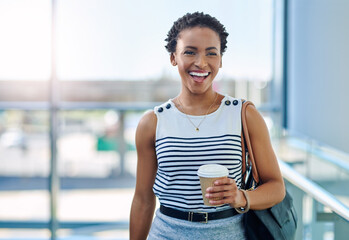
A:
(77, 75)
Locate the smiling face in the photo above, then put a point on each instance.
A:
(198, 57)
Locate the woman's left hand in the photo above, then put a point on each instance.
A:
(226, 189)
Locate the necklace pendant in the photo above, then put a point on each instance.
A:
(197, 129)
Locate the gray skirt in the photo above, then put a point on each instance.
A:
(164, 227)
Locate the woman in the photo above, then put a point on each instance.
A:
(198, 127)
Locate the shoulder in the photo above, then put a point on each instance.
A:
(147, 126)
(252, 113)
(149, 117)
(255, 120)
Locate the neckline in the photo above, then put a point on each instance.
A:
(199, 116)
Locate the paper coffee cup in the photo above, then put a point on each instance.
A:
(208, 174)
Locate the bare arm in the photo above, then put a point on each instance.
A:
(272, 190)
(143, 204)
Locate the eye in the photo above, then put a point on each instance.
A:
(212, 54)
(189, 53)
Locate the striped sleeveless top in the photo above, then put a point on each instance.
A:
(181, 150)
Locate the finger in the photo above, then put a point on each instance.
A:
(220, 185)
(219, 202)
(221, 188)
(219, 194)
(228, 200)
(226, 191)
(224, 181)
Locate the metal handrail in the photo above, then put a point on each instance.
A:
(334, 160)
(314, 190)
(316, 151)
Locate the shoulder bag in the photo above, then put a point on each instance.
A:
(278, 222)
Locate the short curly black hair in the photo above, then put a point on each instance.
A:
(191, 20)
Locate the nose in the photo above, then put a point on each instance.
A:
(200, 61)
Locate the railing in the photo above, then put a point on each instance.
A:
(316, 149)
(325, 217)
(328, 218)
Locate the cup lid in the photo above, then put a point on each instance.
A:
(212, 170)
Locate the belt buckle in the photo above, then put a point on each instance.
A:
(190, 216)
(206, 217)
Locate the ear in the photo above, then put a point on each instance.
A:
(220, 65)
(173, 59)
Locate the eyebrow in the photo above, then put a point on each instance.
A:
(207, 49)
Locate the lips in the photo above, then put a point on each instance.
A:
(199, 76)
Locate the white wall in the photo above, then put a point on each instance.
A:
(319, 70)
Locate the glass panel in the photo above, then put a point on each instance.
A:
(24, 168)
(315, 220)
(100, 40)
(324, 165)
(97, 178)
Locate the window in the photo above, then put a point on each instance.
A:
(111, 65)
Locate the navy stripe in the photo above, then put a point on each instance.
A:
(186, 202)
(169, 197)
(202, 150)
(236, 171)
(168, 178)
(180, 189)
(225, 135)
(196, 165)
(199, 146)
(213, 141)
(199, 160)
(179, 184)
(182, 175)
(191, 170)
(183, 202)
(177, 179)
(179, 193)
(221, 161)
(203, 155)
(178, 141)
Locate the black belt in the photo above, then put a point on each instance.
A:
(197, 216)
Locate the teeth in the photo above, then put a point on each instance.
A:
(198, 74)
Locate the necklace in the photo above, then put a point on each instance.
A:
(197, 126)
